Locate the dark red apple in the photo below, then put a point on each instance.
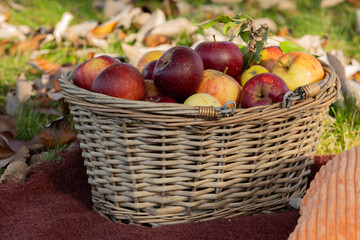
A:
(148, 70)
(160, 99)
(219, 55)
(263, 89)
(120, 80)
(178, 72)
(85, 73)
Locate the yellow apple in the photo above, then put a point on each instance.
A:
(148, 57)
(298, 69)
(221, 86)
(250, 72)
(202, 99)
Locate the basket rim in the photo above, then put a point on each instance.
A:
(100, 102)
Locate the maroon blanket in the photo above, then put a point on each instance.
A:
(55, 203)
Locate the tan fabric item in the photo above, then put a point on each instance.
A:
(331, 206)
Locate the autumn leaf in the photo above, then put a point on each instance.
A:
(104, 29)
(15, 172)
(45, 65)
(59, 132)
(7, 124)
(27, 45)
(154, 40)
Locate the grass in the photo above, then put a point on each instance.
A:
(52, 154)
(336, 22)
(29, 123)
(344, 133)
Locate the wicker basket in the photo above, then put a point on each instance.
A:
(163, 163)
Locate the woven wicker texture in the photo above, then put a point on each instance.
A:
(158, 164)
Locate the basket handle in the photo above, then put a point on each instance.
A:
(214, 113)
(310, 90)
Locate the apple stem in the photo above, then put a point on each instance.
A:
(214, 37)
(283, 64)
(226, 68)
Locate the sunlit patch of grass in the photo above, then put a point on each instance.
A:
(47, 13)
(344, 133)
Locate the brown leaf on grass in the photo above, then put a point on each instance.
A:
(5, 151)
(356, 77)
(45, 65)
(15, 172)
(21, 155)
(4, 14)
(58, 132)
(24, 89)
(154, 40)
(61, 26)
(15, 145)
(104, 29)
(7, 124)
(27, 45)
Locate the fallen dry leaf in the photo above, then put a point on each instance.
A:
(356, 77)
(4, 14)
(15, 145)
(61, 26)
(174, 27)
(20, 155)
(45, 65)
(15, 172)
(59, 132)
(7, 124)
(24, 89)
(76, 33)
(9, 31)
(112, 7)
(155, 19)
(154, 40)
(104, 29)
(170, 8)
(27, 45)
(12, 104)
(284, 32)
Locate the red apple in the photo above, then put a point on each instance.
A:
(269, 55)
(85, 73)
(148, 70)
(219, 55)
(150, 89)
(160, 99)
(178, 72)
(147, 57)
(298, 69)
(263, 89)
(120, 80)
(220, 85)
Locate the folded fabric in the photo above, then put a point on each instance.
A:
(55, 203)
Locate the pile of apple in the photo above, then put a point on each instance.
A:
(209, 75)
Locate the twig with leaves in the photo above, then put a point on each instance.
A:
(244, 27)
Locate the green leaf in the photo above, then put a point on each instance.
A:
(243, 49)
(287, 46)
(245, 36)
(220, 19)
(227, 27)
